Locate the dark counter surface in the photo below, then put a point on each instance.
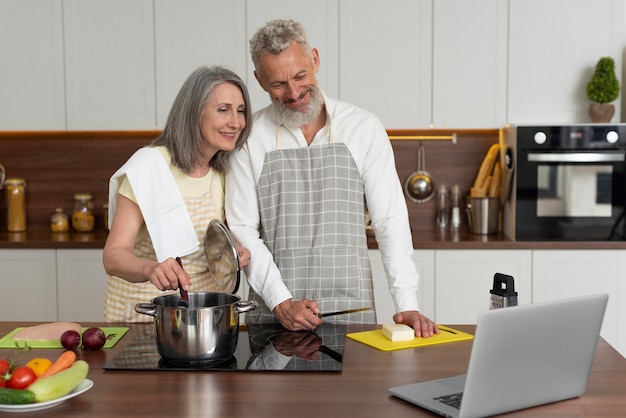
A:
(423, 239)
(462, 239)
(359, 390)
(42, 238)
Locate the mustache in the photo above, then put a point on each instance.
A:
(304, 93)
(297, 118)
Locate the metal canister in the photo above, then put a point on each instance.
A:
(82, 217)
(16, 204)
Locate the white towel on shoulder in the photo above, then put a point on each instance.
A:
(164, 212)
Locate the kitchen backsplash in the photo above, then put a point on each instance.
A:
(448, 163)
(56, 165)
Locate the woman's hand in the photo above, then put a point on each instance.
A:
(244, 255)
(168, 275)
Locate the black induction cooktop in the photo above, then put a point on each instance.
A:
(261, 347)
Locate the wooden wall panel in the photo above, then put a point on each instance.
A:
(56, 165)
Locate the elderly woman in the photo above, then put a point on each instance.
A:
(163, 198)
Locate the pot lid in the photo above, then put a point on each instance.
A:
(222, 256)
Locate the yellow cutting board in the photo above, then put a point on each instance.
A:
(377, 340)
(113, 335)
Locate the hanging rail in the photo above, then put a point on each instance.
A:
(424, 137)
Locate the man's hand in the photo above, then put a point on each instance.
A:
(422, 326)
(299, 315)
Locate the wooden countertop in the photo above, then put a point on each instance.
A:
(423, 239)
(360, 390)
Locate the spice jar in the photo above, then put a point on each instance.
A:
(82, 217)
(59, 221)
(16, 204)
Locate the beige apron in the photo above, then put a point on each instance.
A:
(312, 210)
(121, 295)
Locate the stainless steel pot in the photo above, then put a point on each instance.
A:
(206, 331)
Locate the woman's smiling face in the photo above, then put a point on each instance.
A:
(223, 118)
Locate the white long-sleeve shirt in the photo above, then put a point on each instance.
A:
(367, 140)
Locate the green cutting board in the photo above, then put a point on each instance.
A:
(113, 334)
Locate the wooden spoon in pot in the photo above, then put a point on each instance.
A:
(184, 296)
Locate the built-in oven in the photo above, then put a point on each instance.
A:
(569, 182)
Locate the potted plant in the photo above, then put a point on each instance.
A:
(602, 89)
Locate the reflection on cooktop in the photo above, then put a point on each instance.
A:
(260, 347)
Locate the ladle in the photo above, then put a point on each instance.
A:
(420, 185)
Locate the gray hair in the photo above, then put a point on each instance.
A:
(275, 37)
(182, 135)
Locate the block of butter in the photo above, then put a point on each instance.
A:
(398, 332)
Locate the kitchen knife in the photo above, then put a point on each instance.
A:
(347, 311)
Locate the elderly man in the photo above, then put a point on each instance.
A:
(297, 194)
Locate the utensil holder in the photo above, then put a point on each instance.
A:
(483, 214)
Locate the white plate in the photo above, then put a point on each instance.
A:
(84, 386)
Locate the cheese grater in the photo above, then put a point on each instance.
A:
(503, 293)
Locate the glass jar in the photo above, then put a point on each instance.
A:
(59, 221)
(442, 206)
(82, 217)
(16, 204)
(456, 206)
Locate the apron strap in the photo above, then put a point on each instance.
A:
(279, 141)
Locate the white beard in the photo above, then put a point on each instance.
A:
(296, 118)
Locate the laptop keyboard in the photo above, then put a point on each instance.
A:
(453, 400)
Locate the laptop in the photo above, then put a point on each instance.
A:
(522, 356)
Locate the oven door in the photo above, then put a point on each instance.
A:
(570, 196)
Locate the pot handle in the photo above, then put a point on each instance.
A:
(145, 308)
(245, 306)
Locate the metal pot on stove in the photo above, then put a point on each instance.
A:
(206, 331)
(206, 328)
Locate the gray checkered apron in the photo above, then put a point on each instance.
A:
(312, 209)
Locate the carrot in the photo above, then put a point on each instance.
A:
(65, 360)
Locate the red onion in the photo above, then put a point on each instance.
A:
(70, 339)
(93, 338)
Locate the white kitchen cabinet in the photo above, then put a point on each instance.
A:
(32, 70)
(385, 59)
(559, 274)
(424, 261)
(81, 283)
(109, 64)
(28, 280)
(117, 65)
(465, 277)
(621, 307)
(553, 49)
(469, 77)
(191, 34)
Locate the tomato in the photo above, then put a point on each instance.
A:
(21, 378)
(39, 365)
(4, 366)
(5, 372)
